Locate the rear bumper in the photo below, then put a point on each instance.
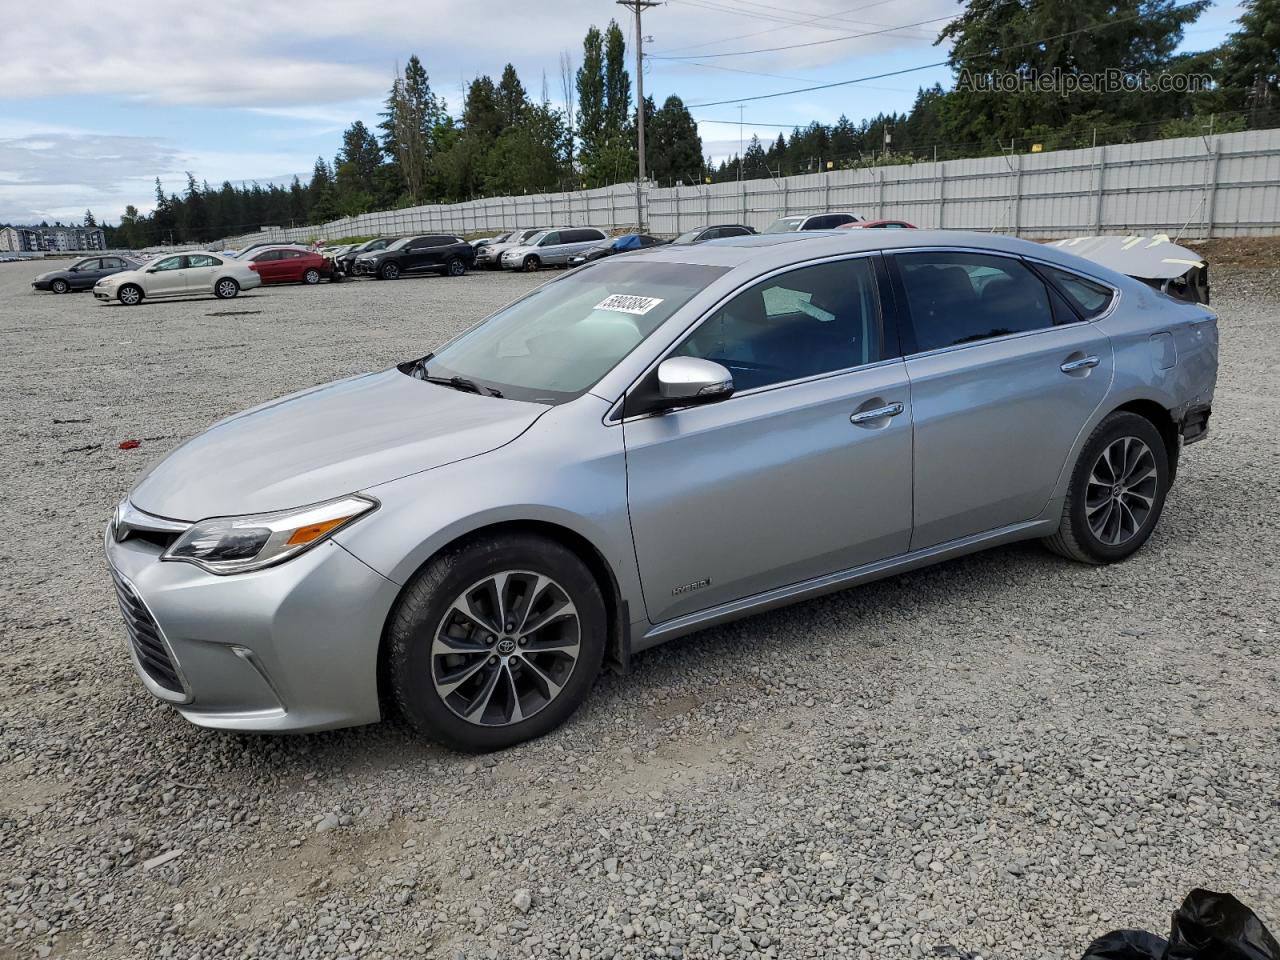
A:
(290, 648)
(1195, 423)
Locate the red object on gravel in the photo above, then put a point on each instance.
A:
(130, 444)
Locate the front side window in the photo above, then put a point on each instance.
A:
(168, 263)
(88, 265)
(549, 239)
(267, 257)
(814, 320)
(961, 297)
(561, 339)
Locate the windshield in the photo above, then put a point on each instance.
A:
(688, 236)
(531, 239)
(785, 225)
(561, 339)
(395, 244)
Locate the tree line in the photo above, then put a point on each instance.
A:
(506, 141)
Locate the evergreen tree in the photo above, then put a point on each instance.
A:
(591, 98)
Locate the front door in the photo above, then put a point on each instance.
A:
(805, 471)
(1003, 378)
(167, 277)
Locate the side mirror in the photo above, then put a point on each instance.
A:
(691, 380)
(152, 269)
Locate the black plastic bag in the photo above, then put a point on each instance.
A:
(1208, 926)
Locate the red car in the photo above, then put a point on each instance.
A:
(879, 224)
(290, 265)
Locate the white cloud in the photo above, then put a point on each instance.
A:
(237, 54)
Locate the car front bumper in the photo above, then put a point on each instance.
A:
(106, 294)
(40, 284)
(290, 648)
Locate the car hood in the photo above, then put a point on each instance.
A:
(121, 277)
(520, 250)
(327, 442)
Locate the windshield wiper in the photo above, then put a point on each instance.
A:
(461, 383)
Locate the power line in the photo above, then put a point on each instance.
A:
(779, 18)
(814, 43)
(927, 66)
(759, 33)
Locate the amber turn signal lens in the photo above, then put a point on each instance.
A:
(314, 531)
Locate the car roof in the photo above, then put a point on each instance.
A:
(767, 251)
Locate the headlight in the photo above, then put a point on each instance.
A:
(224, 545)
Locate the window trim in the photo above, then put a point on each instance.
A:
(905, 321)
(888, 313)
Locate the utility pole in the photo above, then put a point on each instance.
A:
(637, 7)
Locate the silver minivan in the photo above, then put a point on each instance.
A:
(551, 248)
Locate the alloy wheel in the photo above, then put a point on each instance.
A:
(456, 268)
(226, 288)
(1121, 490)
(60, 286)
(390, 271)
(129, 296)
(505, 648)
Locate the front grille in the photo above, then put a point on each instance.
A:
(144, 635)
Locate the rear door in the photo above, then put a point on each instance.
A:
(1004, 375)
(804, 471)
(198, 275)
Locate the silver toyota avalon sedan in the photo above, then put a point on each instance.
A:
(643, 447)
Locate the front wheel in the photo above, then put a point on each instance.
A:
(130, 295)
(312, 276)
(455, 267)
(496, 642)
(530, 264)
(389, 271)
(59, 286)
(226, 288)
(1117, 492)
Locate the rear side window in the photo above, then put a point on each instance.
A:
(828, 220)
(813, 320)
(957, 298)
(202, 260)
(1089, 297)
(734, 232)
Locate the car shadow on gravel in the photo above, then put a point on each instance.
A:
(834, 627)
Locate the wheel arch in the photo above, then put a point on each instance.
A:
(618, 642)
(1162, 419)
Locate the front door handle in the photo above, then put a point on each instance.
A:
(1084, 363)
(876, 413)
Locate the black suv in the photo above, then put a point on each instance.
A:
(435, 253)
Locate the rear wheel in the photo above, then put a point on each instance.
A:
(59, 286)
(389, 271)
(311, 276)
(496, 642)
(455, 267)
(530, 264)
(1117, 491)
(130, 295)
(226, 288)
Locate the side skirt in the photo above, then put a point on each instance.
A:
(832, 582)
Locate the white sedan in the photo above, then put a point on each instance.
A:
(178, 275)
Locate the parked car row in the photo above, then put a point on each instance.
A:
(224, 274)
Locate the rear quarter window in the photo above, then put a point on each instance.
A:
(1090, 298)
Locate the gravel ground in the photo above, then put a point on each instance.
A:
(1008, 754)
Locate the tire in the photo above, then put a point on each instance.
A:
(311, 277)
(130, 294)
(1117, 492)
(389, 271)
(226, 288)
(60, 286)
(495, 660)
(531, 264)
(455, 267)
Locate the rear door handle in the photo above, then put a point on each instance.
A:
(876, 413)
(1084, 363)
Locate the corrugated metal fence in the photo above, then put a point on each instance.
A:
(1224, 185)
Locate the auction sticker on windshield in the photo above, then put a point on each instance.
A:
(626, 303)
